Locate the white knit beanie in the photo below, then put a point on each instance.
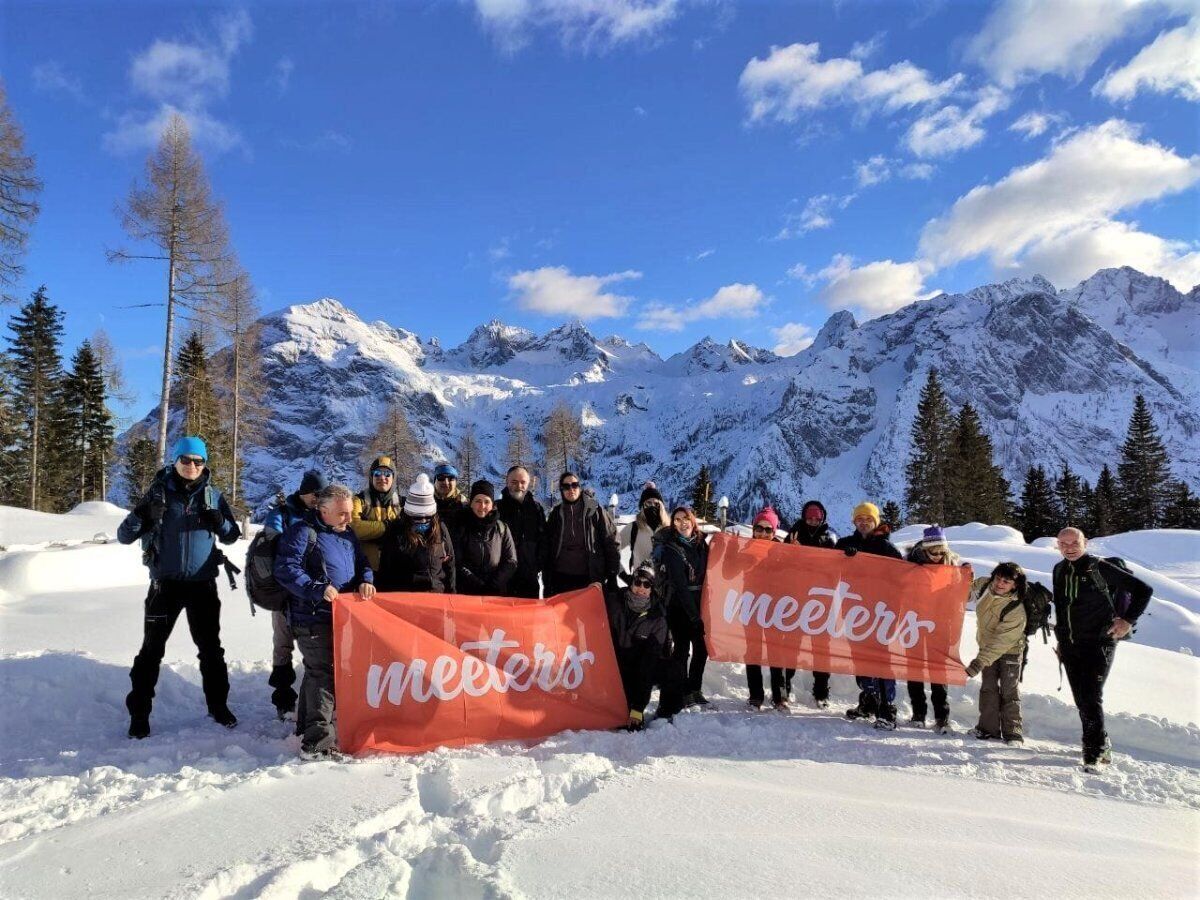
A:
(419, 501)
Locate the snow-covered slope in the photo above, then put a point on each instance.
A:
(727, 802)
(1052, 374)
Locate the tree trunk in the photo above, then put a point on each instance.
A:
(164, 406)
(237, 387)
(33, 456)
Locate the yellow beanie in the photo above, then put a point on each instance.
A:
(866, 509)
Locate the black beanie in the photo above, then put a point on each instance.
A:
(648, 492)
(484, 487)
(313, 482)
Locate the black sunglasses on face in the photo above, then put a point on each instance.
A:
(382, 473)
(191, 461)
(420, 520)
(446, 478)
(763, 529)
(642, 582)
(570, 485)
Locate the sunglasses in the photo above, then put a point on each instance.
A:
(191, 461)
(642, 582)
(569, 486)
(763, 529)
(383, 473)
(446, 478)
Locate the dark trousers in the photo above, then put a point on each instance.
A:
(877, 695)
(916, 696)
(781, 683)
(1000, 697)
(561, 582)
(639, 666)
(316, 688)
(524, 585)
(283, 676)
(164, 602)
(820, 685)
(1087, 667)
(689, 651)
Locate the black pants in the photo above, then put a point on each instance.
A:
(525, 585)
(820, 685)
(1087, 667)
(639, 667)
(561, 582)
(688, 638)
(164, 602)
(316, 688)
(916, 696)
(781, 683)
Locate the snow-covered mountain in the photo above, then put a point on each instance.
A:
(1053, 375)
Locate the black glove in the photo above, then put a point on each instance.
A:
(155, 509)
(851, 551)
(212, 519)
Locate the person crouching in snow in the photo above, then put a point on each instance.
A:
(766, 523)
(931, 550)
(1000, 632)
(639, 633)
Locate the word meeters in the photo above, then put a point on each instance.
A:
(836, 612)
(446, 677)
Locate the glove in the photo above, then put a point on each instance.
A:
(851, 551)
(974, 668)
(155, 510)
(212, 520)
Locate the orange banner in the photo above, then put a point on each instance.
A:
(820, 610)
(418, 671)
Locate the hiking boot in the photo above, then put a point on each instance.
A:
(941, 726)
(821, 702)
(757, 704)
(1105, 754)
(982, 735)
(859, 712)
(885, 724)
(917, 722)
(329, 753)
(222, 716)
(139, 727)
(698, 699)
(782, 705)
(1014, 740)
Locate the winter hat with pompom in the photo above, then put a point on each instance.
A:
(769, 516)
(650, 491)
(419, 501)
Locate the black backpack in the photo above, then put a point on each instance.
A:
(265, 592)
(1037, 602)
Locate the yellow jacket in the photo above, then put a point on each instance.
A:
(369, 524)
(997, 637)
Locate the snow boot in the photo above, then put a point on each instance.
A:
(1014, 740)
(886, 718)
(867, 706)
(222, 716)
(139, 727)
(782, 706)
(821, 704)
(982, 735)
(695, 698)
(756, 704)
(941, 726)
(917, 722)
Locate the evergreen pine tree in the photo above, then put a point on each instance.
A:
(141, 464)
(37, 372)
(977, 490)
(1144, 472)
(1068, 490)
(703, 500)
(1102, 513)
(927, 470)
(87, 423)
(1183, 511)
(891, 515)
(12, 484)
(195, 397)
(1038, 515)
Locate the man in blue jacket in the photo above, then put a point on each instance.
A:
(319, 558)
(179, 521)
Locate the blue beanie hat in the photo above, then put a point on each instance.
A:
(446, 469)
(190, 446)
(313, 482)
(933, 535)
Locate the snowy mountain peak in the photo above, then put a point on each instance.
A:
(1014, 287)
(492, 344)
(834, 331)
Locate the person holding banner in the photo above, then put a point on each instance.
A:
(766, 523)
(680, 560)
(639, 634)
(526, 520)
(319, 558)
(483, 547)
(812, 530)
(581, 542)
(877, 696)
(416, 554)
(375, 507)
(931, 550)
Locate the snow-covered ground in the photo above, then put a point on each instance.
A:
(726, 802)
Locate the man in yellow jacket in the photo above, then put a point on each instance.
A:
(1000, 631)
(379, 504)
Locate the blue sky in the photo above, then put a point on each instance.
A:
(665, 169)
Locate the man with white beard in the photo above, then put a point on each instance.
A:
(526, 520)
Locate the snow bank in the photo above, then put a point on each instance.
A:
(26, 529)
(98, 508)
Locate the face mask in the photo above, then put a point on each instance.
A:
(422, 527)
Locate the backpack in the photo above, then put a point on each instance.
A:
(158, 490)
(265, 592)
(1037, 602)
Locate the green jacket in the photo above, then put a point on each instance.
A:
(997, 637)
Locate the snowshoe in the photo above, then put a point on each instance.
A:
(979, 734)
(139, 727)
(1014, 740)
(821, 704)
(860, 712)
(331, 754)
(782, 706)
(222, 716)
(756, 704)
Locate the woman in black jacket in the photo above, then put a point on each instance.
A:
(416, 554)
(483, 545)
(680, 557)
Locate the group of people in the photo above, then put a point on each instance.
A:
(436, 538)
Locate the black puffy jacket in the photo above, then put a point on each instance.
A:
(1083, 609)
(877, 543)
(424, 569)
(527, 521)
(680, 566)
(485, 555)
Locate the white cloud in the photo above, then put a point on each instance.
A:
(917, 171)
(183, 77)
(587, 25)
(875, 170)
(282, 77)
(1035, 124)
(51, 77)
(793, 80)
(1023, 39)
(137, 131)
(703, 254)
(799, 272)
(1171, 64)
(740, 301)
(1066, 201)
(866, 49)
(816, 214)
(554, 291)
(951, 129)
(640, 111)
(1068, 257)
(792, 337)
(875, 288)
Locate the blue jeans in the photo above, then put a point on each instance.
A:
(880, 688)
